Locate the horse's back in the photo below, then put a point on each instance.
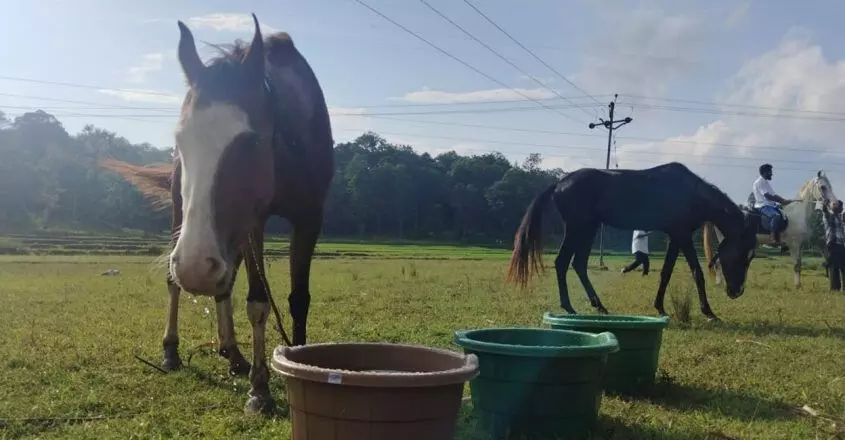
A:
(637, 198)
(300, 96)
(302, 114)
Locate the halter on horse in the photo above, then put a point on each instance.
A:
(254, 140)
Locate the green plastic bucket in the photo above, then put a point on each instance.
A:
(630, 371)
(536, 382)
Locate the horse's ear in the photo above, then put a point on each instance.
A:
(189, 59)
(820, 174)
(253, 62)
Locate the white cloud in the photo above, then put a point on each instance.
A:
(148, 64)
(795, 74)
(427, 96)
(229, 22)
(738, 14)
(140, 95)
(643, 51)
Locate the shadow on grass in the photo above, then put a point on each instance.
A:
(606, 428)
(737, 405)
(280, 409)
(611, 428)
(768, 328)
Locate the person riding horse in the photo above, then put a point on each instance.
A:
(768, 203)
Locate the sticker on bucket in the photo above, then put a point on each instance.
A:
(335, 378)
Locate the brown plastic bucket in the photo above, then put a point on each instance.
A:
(373, 391)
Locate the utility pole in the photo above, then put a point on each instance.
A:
(609, 125)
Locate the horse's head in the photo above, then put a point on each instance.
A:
(818, 189)
(224, 146)
(735, 254)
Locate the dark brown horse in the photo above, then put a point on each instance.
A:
(253, 140)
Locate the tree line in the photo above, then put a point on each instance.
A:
(49, 179)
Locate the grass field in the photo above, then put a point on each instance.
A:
(67, 366)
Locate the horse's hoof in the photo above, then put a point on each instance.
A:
(570, 310)
(239, 369)
(238, 366)
(171, 364)
(661, 311)
(602, 310)
(259, 405)
(713, 318)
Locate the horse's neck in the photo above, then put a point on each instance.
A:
(727, 224)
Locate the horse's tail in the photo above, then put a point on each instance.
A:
(527, 256)
(708, 246)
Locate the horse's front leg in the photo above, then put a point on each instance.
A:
(795, 250)
(665, 276)
(170, 343)
(579, 264)
(304, 237)
(258, 309)
(228, 347)
(698, 275)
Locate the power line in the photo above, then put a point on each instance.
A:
(460, 60)
(507, 34)
(91, 103)
(574, 147)
(728, 165)
(508, 101)
(556, 146)
(508, 109)
(389, 116)
(486, 46)
(84, 86)
(633, 138)
(747, 106)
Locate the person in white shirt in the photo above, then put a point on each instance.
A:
(639, 247)
(769, 203)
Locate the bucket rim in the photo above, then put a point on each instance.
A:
(603, 343)
(283, 365)
(610, 321)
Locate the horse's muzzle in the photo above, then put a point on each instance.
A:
(734, 294)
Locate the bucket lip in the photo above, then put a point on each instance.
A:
(634, 322)
(284, 366)
(606, 343)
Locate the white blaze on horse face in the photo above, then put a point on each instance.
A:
(197, 262)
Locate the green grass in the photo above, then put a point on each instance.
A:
(69, 337)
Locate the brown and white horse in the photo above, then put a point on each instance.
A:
(253, 140)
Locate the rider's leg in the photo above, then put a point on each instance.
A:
(776, 226)
(773, 222)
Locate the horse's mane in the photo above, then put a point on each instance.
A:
(713, 193)
(808, 184)
(226, 64)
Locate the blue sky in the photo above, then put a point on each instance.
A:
(698, 77)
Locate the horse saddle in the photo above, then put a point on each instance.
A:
(760, 225)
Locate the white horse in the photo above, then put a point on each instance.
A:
(797, 213)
